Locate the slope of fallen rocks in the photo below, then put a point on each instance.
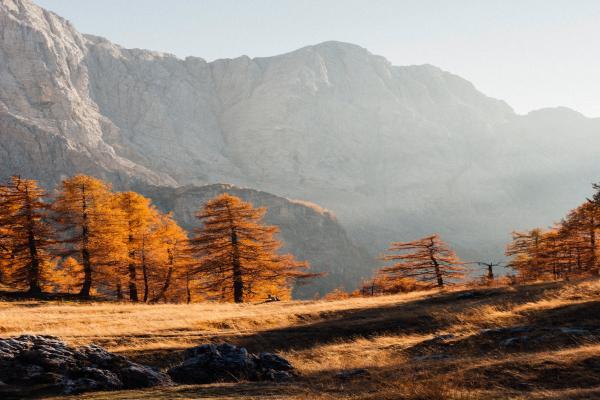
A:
(224, 362)
(32, 365)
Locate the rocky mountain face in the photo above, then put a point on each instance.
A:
(50, 126)
(395, 151)
(308, 231)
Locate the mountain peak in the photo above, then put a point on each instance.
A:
(556, 112)
(337, 45)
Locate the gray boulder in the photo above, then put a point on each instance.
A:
(34, 365)
(210, 363)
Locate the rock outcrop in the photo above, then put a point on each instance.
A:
(224, 362)
(35, 365)
(49, 125)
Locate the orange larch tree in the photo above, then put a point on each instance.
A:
(428, 260)
(542, 255)
(92, 228)
(581, 225)
(382, 283)
(568, 249)
(171, 260)
(526, 250)
(141, 220)
(238, 255)
(26, 236)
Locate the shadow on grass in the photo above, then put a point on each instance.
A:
(414, 317)
(242, 390)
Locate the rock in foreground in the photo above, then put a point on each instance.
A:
(227, 363)
(44, 364)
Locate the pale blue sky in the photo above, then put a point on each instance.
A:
(531, 53)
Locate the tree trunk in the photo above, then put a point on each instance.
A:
(165, 287)
(438, 274)
(85, 253)
(133, 294)
(436, 266)
(119, 290)
(593, 244)
(167, 283)
(145, 274)
(34, 268)
(87, 274)
(34, 271)
(188, 292)
(238, 282)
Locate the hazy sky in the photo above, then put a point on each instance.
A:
(531, 53)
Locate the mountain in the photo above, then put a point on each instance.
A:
(395, 151)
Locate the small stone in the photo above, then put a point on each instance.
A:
(514, 341)
(274, 362)
(574, 331)
(353, 374)
(138, 376)
(279, 376)
(431, 357)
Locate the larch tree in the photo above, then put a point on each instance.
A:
(26, 236)
(543, 255)
(238, 254)
(568, 249)
(382, 284)
(141, 220)
(172, 260)
(92, 228)
(582, 224)
(526, 250)
(428, 260)
(553, 254)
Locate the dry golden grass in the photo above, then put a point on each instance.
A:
(125, 326)
(390, 336)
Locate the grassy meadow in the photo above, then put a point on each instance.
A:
(539, 341)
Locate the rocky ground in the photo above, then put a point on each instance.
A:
(33, 366)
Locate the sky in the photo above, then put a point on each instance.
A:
(530, 53)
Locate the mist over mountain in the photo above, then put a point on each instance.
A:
(395, 152)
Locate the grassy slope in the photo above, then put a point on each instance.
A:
(556, 355)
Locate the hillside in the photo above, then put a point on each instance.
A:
(538, 341)
(395, 152)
